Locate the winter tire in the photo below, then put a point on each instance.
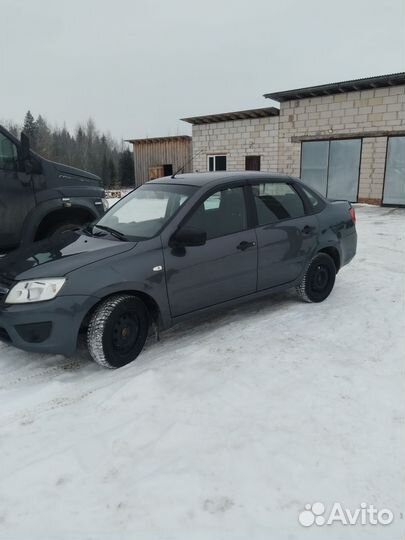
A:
(117, 331)
(318, 280)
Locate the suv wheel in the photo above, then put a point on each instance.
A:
(318, 280)
(117, 331)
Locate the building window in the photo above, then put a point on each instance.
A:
(217, 163)
(332, 167)
(394, 187)
(252, 163)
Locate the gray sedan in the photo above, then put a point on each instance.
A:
(171, 248)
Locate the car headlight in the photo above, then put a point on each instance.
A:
(106, 206)
(34, 290)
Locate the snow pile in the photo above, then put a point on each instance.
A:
(228, 426)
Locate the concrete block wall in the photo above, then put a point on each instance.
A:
(377, 110)
(372, 169)
(368, 114)
(237, 139)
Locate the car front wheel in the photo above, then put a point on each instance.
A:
(318, 280)
(117, 331)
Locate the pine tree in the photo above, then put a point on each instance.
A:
(29, 127)
(13, 128)
(86, 149)
(42, 136)
(80, 149)
(112, 172)
(104, 170)
(126, 168)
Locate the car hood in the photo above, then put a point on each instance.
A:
(71, 175)
(59, 256)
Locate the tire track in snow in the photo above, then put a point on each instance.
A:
(28, 416)
(42, 374)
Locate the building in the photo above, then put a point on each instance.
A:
(236, 141)
(161, 156)
(345, 139)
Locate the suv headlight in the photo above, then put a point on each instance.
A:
(25, 292)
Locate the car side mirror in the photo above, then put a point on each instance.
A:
(25, 147)
(31, 164)
(188, 237)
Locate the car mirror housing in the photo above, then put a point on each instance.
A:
(25, 146)
(32, 166)
(188, 237)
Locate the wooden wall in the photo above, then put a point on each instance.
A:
(154, 153)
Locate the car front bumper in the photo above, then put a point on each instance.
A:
(47, 327)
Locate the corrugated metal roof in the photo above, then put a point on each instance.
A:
(236, 115)
(367, 83)
(151, 140)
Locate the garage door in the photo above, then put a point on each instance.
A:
(394, 187)
(332, 167)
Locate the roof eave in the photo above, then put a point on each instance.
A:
(151, 140)
(233, 115)
(380, 81)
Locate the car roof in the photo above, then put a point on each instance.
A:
(204, 178)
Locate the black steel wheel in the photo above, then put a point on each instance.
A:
(318, 280)
(117, 331)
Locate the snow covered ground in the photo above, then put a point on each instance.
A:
(228, 426)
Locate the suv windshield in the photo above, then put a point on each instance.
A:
(144, 212)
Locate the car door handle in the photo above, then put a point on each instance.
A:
(244, 245)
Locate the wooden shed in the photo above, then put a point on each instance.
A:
(161, 156)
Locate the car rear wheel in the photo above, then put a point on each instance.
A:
(117, 331)
(318, 280)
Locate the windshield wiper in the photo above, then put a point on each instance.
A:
(117, 234)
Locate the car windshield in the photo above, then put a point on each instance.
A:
(144, 212)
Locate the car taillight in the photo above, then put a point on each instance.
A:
(352, 214)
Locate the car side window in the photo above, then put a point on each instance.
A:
(213, 201)
(313, 201)
(8, 154)
(220, 214)
(276, 201)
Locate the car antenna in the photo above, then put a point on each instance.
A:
(186, 163)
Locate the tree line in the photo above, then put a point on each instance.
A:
(85, 148)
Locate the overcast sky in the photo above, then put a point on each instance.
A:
(137, 67)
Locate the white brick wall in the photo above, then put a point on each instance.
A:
(237, 139)
(377, 110)
(381, 109)
(372, 168)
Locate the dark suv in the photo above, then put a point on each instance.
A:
(39, 197)
(173, 247)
